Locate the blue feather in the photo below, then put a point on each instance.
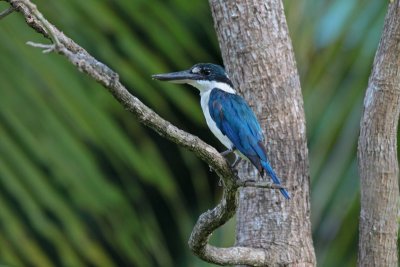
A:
(236, 120)
(274, 178)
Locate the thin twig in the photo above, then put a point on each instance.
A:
(6, 12)
(251, 183)
(48, 26)
(47, 47)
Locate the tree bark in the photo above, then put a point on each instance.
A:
(258, 54)
(377, 151)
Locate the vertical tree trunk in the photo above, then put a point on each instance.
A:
(258, 54)
(377, 151)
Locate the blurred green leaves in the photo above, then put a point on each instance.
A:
(334, 45)
(82, 183)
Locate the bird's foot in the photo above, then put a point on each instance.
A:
(226, 152)
(234, 165)
(236, 162)
(235, 172)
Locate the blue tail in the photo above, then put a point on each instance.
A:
(274, 178)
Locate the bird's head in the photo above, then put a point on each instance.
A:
(203, 76)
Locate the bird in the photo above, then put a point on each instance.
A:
(227, 115)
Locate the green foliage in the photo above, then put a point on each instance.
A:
(334, 46)
(82, 183)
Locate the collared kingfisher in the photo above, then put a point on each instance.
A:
(228, 115)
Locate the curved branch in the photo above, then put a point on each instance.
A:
(208, 221)
(377, 151)
(211, 220)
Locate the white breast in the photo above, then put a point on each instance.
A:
(205, 97)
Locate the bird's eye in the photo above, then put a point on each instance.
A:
(206, 72)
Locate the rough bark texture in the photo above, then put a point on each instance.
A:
(258, 54)
(377, 151)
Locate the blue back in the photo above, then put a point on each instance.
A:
(237, 121)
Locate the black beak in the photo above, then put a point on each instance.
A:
(177, 77)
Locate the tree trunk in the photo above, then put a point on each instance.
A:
(258, 54)
(377, 151)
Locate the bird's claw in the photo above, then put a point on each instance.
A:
(226, 152)
(235, 171)
(236, 162)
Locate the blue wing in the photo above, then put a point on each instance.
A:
(236, 120)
